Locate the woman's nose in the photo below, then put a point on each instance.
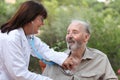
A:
(42, 23)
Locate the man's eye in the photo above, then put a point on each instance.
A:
(75, 32)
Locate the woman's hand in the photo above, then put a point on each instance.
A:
(68, 64)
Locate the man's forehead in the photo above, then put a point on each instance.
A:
(76, 26)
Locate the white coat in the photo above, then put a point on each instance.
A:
(15, 54)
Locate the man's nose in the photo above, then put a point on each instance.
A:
(70, 35)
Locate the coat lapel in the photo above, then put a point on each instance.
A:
(25, 45)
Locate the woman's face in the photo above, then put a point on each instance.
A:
(33, 26)
(36, 24)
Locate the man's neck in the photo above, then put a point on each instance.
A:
(78, 53)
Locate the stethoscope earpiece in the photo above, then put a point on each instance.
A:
(32, 22)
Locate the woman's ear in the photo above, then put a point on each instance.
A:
(32, 22)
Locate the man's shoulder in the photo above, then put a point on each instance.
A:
(96, 52)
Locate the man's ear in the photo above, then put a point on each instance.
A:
(87, 37)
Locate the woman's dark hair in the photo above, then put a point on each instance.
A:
(27, 12)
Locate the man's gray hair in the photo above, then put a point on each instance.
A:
(85, 24)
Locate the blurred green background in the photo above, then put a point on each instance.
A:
(104, 18)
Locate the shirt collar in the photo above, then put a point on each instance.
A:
(87, 54)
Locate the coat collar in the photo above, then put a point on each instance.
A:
(23, 37)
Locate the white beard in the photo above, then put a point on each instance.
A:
(73, 46)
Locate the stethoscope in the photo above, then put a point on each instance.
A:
(32, 44)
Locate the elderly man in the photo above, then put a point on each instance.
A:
(90, 64)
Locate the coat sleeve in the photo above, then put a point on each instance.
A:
(15, 63)
(48, 53)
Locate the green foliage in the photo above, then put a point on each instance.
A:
(118, 77)
(34, 65)
(2, 12)
(7, 10)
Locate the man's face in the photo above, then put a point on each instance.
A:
(76, 36)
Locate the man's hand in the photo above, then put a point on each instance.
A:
(68, 64)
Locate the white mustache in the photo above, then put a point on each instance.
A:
(70, 40)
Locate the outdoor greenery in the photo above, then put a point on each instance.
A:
(103, 18)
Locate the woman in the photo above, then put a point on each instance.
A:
(15, 49)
